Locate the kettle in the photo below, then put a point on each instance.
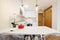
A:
(20, 26)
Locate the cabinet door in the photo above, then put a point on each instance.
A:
(40, 19)
(48, 17)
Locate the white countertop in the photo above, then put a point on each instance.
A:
(30, 30)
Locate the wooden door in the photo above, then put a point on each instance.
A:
(40, 19)
(48, 17)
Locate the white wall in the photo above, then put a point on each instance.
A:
(7, 8)
(54, 14)
(58, 15)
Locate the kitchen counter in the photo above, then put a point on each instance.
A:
(30, 30)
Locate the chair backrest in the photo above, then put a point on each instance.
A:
(54, 36)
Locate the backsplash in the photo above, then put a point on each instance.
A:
(24, 20)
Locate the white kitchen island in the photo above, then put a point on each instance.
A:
(38, 32)
(30, 30)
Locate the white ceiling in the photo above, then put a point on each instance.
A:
(43, 4)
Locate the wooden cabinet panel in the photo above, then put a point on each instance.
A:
(40, 19)
(48, 17)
